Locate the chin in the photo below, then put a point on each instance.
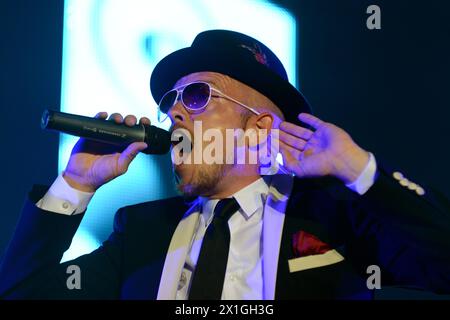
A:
(198, 180)
(187, 189)
(183, 180)
(192, 188)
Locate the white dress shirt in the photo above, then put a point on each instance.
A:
(243, 277)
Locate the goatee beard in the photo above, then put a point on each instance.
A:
(204, 182)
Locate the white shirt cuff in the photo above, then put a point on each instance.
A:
(62, 198)
(367, 177)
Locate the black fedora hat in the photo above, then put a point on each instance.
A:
(236, 55)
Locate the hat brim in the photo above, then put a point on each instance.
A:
(191, 60)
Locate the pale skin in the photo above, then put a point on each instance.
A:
(326, 151)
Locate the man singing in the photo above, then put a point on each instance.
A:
(310, 230)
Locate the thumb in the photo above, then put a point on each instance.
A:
(129, 154)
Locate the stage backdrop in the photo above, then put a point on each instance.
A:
(110, 49)
(388, 88)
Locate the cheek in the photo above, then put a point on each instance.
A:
(215, 121)
(219, 120)
(219, 115)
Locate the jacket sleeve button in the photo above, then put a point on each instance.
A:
(412, 186)
(404, 182)
(420, 191)
(397, 175)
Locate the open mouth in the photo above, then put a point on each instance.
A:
(182, 142)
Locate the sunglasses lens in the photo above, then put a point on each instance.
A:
(166, 102)
(196, 95)
(162, 116)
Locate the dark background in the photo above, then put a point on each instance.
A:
(388, 88)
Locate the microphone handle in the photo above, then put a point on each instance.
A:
(157, 139)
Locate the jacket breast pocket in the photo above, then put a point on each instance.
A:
(314, 261)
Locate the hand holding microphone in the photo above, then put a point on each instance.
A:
(106, 148)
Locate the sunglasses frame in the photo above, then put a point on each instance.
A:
(180, 90)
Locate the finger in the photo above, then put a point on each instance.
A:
(129, 154)
(292, 141)
(294, 153)
(130, 120)
(296, 130)
(145, 121)
(101, 115)
(293, 160)
(289, 160)
(116, 117)
(311, 120)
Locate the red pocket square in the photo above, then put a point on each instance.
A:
(306, 244)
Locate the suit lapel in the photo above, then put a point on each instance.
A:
(176, 255)
(273, 220)
(311, 283)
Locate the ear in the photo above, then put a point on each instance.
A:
(264, 121)
(261, 126)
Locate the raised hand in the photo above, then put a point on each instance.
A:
(327, 150)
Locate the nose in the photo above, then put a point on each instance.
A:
(177, 113)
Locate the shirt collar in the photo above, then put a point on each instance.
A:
(250, 199)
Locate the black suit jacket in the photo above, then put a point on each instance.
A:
(406, 235)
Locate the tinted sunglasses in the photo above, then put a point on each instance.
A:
(194, 97)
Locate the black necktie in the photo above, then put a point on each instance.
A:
(207, 279)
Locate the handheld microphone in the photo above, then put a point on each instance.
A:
(157, 139)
